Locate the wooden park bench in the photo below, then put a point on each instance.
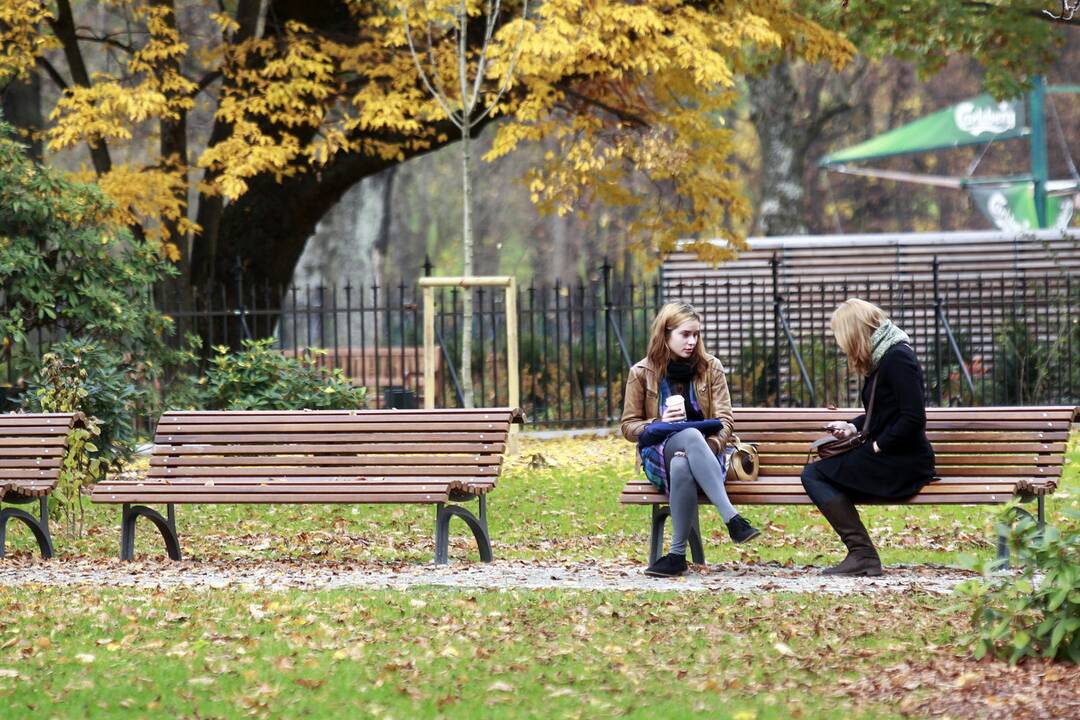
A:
(432, 457)
(983, 455)
(32, 449)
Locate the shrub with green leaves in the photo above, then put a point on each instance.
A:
(63, 389)
(77, 285)
(68, 269)
(1036, 611)
(86, 377)
(258, 377)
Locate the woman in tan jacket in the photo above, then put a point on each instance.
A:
(682, 447)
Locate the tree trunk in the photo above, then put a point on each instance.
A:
(467, 245)
(22, 108)
(774, 97)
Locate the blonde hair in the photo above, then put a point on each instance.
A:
(853, 323)
(670, 317)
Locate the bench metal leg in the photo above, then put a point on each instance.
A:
(443, 514)
(1003, 552)
(660, 514)
(39, 526)
(167, 527)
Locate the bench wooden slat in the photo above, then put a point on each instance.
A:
(291, 471)
(298, 418)
(318, 459)
(327, 427)
(279, 498)
(941, 459)
(807, 436)
(35, 473)
(383, 446)
(940, 448)
(985, 470)
(342, 437)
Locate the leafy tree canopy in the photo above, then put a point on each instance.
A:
(634, 92)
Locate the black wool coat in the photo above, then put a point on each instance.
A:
(906, 461)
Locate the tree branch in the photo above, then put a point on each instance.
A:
(106, 40)
(626, 117)
(53, 73)
(64, 28)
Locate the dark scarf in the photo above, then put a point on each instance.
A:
(681, 374)
(680, 371)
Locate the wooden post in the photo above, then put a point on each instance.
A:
(429, 348)
(513, 370)
(512, 367)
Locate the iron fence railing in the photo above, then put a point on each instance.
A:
(993, 340)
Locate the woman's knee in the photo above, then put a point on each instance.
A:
(679, 471)
(809, 475)
(692, 436)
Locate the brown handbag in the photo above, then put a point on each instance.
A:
(831, 446)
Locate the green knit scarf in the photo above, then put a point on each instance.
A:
(884, 338)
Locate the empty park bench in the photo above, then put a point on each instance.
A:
(32, 450)
(983, 455)
(432, 457)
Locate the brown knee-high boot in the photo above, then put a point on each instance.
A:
(862, 559)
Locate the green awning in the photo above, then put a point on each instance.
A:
(971, 122)
(1012, 207)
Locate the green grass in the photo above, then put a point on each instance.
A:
(427, 653)
(207, 652)
(566, 512)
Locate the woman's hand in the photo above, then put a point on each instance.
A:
(841, 429)
(673, 414)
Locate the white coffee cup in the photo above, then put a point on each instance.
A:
(676, 402)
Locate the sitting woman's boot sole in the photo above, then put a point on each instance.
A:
(746, 539)
(857, 571)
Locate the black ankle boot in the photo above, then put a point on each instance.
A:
(862, 559)
(670, 565)
(740, 530)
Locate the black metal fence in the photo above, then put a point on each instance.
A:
(997, 340)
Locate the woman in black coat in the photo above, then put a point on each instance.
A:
(896, 461)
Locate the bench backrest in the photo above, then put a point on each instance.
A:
(1005, 442)
(32, 449)
(390, 444)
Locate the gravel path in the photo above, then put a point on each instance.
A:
(504, 574)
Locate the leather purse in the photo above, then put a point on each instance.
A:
(743, 463)
(831, 446)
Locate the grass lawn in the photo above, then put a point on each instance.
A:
(206, 652)
(427, 653)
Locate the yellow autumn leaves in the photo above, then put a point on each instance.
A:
(633, 94)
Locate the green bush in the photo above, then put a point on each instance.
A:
(86, 377)
(68, 270)
(257, 377)
(1035, 612)
(63, 388)
(76, 298)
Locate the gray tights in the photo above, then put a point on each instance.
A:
(698, 468)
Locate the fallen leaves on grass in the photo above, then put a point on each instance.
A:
(963, 689)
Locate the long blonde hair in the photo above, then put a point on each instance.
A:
(853, 323)
(670, 317)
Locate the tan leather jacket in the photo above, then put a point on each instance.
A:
(641, 402)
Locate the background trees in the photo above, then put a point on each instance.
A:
(226, 132)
